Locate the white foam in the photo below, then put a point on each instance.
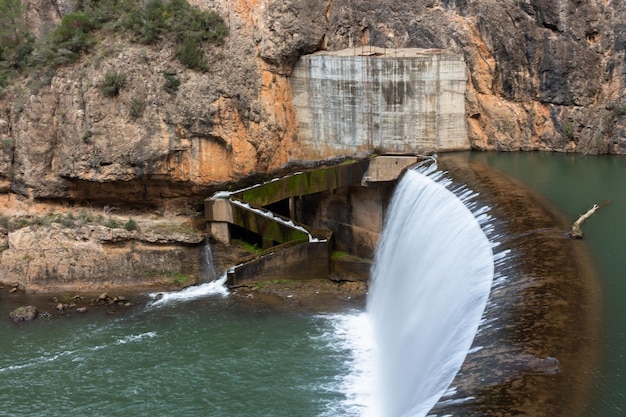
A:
(214, 288)
(351, 335)
(135, 338)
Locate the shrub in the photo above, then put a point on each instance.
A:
(137, 107)
(86, 135)
(568, 132)
(111, 223)
(16, 42)
(147, 23)
(68, 220)
(131, 225)
(6, 143)
(171, 82)
(618, 110)
(5, 222)
(181, 279)
(73, 34)
(113, 83)
(190, 55)
(187, 26)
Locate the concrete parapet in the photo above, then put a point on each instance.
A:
(305, 183)
(309, 260)
(388, 168)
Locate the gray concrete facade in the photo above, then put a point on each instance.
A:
(355, 102)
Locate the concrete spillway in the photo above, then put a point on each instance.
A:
(326, 203)
(395, 101)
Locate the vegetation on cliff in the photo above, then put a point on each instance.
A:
(175, 21)
(16, 43)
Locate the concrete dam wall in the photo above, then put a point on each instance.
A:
(355, 102)
(300, 219)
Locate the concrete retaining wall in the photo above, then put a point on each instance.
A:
(404, 101)
(301, 261)
(333, 204)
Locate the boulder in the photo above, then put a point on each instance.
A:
(25, 313)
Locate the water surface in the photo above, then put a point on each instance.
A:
(205, 357)
(573, 183)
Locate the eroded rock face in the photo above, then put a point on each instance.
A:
(88, 257)
(543, 75)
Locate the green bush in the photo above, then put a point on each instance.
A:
(68, 220)
(16, 42)
(86, 135)
(5, 222)
(190, 29)
(171, 82)
(137, 107)
(187, 26)
(131, 225)
(72, 36)
(618, 110)
(190, 55)
(113, 83)
(111, 223)
(6, 143)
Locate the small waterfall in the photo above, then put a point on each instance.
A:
(213, 284)
(212, 288)
(433, 272)
(208, 266)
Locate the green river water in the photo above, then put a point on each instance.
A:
(216, 357)
(573, 183)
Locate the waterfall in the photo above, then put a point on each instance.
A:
(433, 271)
(208, 266)
(213, 283)
(216, 287)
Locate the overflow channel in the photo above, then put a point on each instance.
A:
(298, 220)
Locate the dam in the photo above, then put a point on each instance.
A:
(354, 103)
(360, 100)
(300, 219)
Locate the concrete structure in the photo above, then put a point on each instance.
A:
(328, 209)
(357, 101)
(387, 168)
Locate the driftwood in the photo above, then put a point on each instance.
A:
(577, 228)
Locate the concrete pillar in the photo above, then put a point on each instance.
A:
(219, 231)
(292, 208)
(218, 210)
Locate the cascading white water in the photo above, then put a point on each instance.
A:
(433, 272)
(210, 273)
(214, 285)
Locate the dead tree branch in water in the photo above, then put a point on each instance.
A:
(577, 228)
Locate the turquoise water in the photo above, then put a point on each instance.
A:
(218, 357)
(209, 357)
(573, 183)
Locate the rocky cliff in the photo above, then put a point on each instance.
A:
(542, 75)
